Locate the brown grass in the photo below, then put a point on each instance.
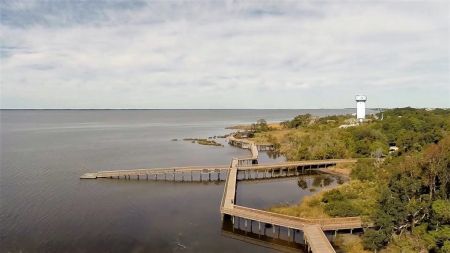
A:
(342, 168)
(310, 207)
(350, 243)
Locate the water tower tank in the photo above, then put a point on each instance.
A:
(360, 107)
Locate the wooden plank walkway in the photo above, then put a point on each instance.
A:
(316, 239)
(229, 193)
(312, 228)
(291, 222)
(154, 171)
(323, 163)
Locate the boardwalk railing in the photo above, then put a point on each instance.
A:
(292, 221)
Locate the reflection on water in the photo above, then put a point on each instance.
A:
(264, 193)
(268, 236)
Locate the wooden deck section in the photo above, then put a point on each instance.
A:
(155, 172)
(316, 239)
(312, 163)
(229, 192)
(291, 222)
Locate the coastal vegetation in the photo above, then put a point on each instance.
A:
(400, 185)
(208, 142)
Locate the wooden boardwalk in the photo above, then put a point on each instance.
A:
(316, 239)
(153, 173)
(306, 164)
(312, 228)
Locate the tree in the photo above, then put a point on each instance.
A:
(299, 121)
(260, 126)
(374, 239)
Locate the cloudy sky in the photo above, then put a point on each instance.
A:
(223, 54)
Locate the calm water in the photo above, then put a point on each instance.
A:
(45, 207)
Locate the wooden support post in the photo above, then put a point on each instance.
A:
(335, 234)
(273, 229)
(289, 232)
(245, 223)
(182, 176)
(137, 177)
(191, 176)
(259, 226)
(209, 176)
(232, 220)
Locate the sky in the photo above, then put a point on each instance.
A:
(223, 54)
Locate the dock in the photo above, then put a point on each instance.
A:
(249, 169)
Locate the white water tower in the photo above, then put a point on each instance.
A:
(360, 107)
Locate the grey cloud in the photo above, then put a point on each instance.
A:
(203, 54)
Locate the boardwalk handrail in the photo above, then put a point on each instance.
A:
(226, 187)
(159, 170)
(298, 163)
(321, 221)
(304, 221)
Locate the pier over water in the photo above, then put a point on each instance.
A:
(312, 229)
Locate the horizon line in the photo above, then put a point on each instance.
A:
(335, 108)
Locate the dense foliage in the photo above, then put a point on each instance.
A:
(260, 126)
(407, 129)
(403, 192)
(414, 199)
